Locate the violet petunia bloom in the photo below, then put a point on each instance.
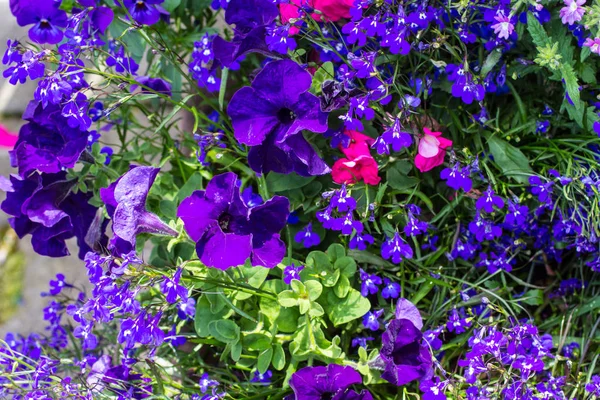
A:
(47, 143)
(404, 355)
(270, 115)
(251, 18)
(227, 232)
(125, 201)
(43, 206)
(330, 382)
(45, 16)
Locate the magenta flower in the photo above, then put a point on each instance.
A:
(504, 27)
(593, 44)
(227, 232)
(270, 116)
(572, 11)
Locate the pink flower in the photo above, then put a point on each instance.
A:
(572, 11)
(359, 164)
(331, 10)
(7, 139)
(593, 44)
(504, 28)
(432, 150)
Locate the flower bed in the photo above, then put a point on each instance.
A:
(321, 199)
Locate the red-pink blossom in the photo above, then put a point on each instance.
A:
(431, 150)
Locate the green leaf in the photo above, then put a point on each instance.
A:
(343, 287)
(336, 251)
(314, 290)
(321, 75)
(490, 62)
(278, 357)
(572, 86)
(342, 311)
(171, 5)
(346, 265)
(287, 321)
(193, 183)
(204, 316)
(253, 276)
(168, 209)
(264, 360)
(537, 32)
(280, 182)
(236, 351)
(533, 297)
(224, 330)
(510, 160)
(287, 298)
(257, 342)
(397, 176)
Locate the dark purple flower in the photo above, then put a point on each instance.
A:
(330, 382)
(270, 115)
(457, 177)
(404, 353)
(172, 289)
(489, 200)
(125, 201)
(205, 383)
(47, 143)
(361, 341)
(360, 240)
(56, 286)
(186, 309)
(44, 206)
(291, 272)
(258, 377)
(46, 17)
(226, 232)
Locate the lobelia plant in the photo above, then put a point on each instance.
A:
(310, 199)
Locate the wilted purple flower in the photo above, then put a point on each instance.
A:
(186, 309)
(226, 232)
(307, 237)
(46, 18)
(332, 381)
(404, 353)
(125, 201)
(291, 272)
(270, 115)
(396, 249)
(156, 85)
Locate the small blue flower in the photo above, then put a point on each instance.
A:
(369, 283)
(291, 272)
(371, 320)
(308, 237)
(262, 378)
(391, 290)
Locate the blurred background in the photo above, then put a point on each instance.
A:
(24, 275)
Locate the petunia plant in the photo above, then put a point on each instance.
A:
(309, 199)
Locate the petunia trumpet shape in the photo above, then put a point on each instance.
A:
(227, 232)
(270, 115)
(404, 354)
(125, 202)
(431, 150)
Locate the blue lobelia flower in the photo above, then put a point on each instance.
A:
(227, 232)
(270, 115)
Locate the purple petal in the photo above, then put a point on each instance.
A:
(407, 310)
(220, 250)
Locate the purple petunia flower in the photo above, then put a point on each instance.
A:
(270, 115)
(332, 381)
(125, 201)
(405, 355)
(227, 232)
(46, 18)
